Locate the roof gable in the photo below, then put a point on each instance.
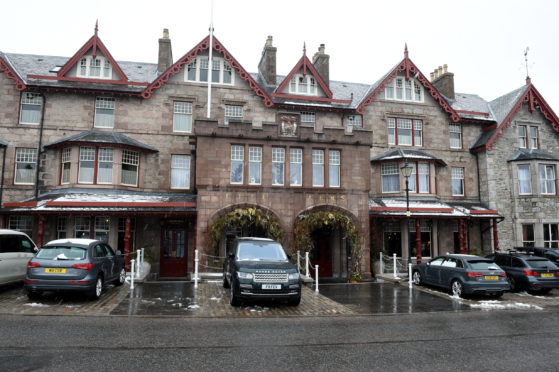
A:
(308, 69)
(11, 73)
(95, 45)
(193, 53)
(507, 106)
(410, 70)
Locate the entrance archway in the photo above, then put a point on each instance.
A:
(332, 239)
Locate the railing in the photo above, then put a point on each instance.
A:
(136, 265)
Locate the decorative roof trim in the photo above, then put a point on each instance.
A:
(86, 80)
(188, 57)
(94, 43)
(410, 69)
(472, 112)
(534, 100)
(311, 98)
(53, 203)
(11, 74)
(305, 64)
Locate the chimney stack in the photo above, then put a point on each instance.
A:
(443, 81)
(165, 58)
(321, 61)
(267, 64)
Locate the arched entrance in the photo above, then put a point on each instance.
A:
(331, 237)
(236, 221)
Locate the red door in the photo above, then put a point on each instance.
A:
(322, 255)
(173, 253)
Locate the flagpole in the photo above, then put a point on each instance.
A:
(210, 63)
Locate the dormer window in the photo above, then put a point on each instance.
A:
(401, 89)
(221, 71)
(95, 67)
(303, 84)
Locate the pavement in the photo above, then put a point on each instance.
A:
(211, 300)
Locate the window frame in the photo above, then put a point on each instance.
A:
(130, 158)
(65, 161)
(232, 112)
(197, 67)
(296, 165)
(307, 118)
(237, 158)
(104, 67)
(527, 140)
(102, 107)
(418, 176)
(28, 158)
(390, 170)
(399, 86)
(544, 186)
(278, 165)
(527, 229)
(527, 181)
(393, 125)
(461, 179)
(551, 235)
(255, 165)
(455, 130)
(186, 113)
(334, 168)
(25, 101)
(317, 161)
(306, 85)
(182, 167)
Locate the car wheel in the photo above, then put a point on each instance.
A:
(98, 289)
(497, 295)
(540, 291)
(513, 284)
(416, 277)
(235, 300)
(225, 282)
(34, 295)
(295, 301)
(121, 277)
(457, 288)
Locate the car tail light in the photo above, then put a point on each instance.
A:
(32, 264)
(474, 274)
(530, 273)
(83, 266)
(503, 274)
(30, 281)
(557, 273)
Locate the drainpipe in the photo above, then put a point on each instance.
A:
(2, 175)
(41, 125)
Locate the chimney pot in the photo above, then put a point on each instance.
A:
(444, 81)
(269, 41)
(165, 33)
(445, 68)
(165, 56)
(267, 64)
(432, 76)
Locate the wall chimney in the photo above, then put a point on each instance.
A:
(165, 59)
(267, 64)
(443, 81)
(321, 62)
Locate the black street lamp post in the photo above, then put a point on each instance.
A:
(407, 170)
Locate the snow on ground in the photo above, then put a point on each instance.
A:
(34, 304)
(498, 305)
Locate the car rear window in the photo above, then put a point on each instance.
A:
(541, 264)
(261, 252)
(62, 253)
(483, 265)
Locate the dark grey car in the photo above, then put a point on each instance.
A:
(82, 265)
(462, 274)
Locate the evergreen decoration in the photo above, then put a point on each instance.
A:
(305, 224)
(244, 218)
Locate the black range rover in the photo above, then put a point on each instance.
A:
(258, 268)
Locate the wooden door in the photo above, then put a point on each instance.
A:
(174, 260)
(322, 255)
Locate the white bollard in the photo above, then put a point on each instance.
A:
(142, 255)
(394, 262)
(307, 265)
(316, 274)
(409, 275)
(138, 264)
(196, 260)
(132, 267)
(381, 264)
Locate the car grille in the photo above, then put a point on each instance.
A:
(270, 278)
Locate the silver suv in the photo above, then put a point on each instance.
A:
(16, 249)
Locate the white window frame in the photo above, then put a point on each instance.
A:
(131, 159)
(31, 108)
(308, 117)
(193, 72)
(528, 136)
(182, 111)
(390, 171)
(524, 183)
(353, 122)
(400, 89)
(180, 171)
(419, 182)
(102, 228)
(66, 165)
(296, 166)
(255, 165)
(334, 168)
(303, 85)
(237, 159)
(455, 134)
(104, 112)
(458, 176)
(278, 166)
(87, 154)
(551, 235)
(396, 125)
(233, 112)
(87, 67)
(82, 227)
(548, 183)
(105, 166)
(25, 164)
(318, 168)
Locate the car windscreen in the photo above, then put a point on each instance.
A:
(62, 253)
(541, 264)
(483, 265)
(248, 251)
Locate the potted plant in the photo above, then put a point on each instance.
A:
(354, 277)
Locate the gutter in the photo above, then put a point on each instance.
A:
(39, 151)
(2, 175)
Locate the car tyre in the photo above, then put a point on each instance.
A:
(416, 277)
(457, 288)
(497, 295)
(513, 284)
(225, 282)
(235, 300)
(97, 291)
(121, 277)
(540, 291)
(295, 301)
(34, 295)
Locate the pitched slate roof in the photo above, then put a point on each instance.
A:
(93, 136)
(532, 154)
(471, 106)
(3, 144)
(503, 105)
(406, 154)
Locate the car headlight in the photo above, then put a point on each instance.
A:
(243, 275)
(293, 276)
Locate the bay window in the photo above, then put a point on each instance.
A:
(390, 177)
(66, 165)
(130, 164)
(419, 179)
(524, 180)
(547, 179)
(87, 165)
(105, 166)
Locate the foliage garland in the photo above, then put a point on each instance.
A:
(307, 223)
(244, 217)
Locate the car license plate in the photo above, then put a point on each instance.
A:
(271, 286)
(547, 275)
(491, 277)
(55, 271)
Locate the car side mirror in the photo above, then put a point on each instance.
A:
(35, 249)
(231, 255)
(288, 256)
(118, 252)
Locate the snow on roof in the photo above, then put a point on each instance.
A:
(76, 241)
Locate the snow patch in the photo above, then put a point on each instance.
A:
(494, 304)
(192, 307)
(215, 299)
(34, 304)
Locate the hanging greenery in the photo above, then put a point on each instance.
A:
(307, 223)
(244, 218)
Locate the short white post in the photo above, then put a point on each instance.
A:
(316, 275)
(138, 263)
(196, 260)
(307, 264)
(381, 265)
(298, 262)
(132, 268)
(394, 264)
(409, 275)
(143, 258)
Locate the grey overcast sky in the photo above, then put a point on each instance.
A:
(482, 41)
